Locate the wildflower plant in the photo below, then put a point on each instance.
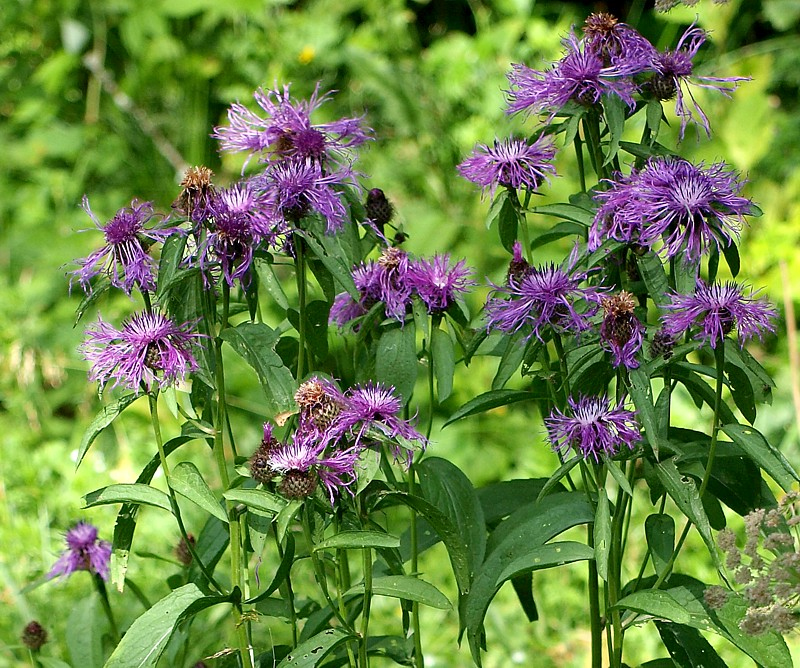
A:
(298, 269)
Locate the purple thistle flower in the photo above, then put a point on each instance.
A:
(510, 163)
(287, 129)
(84, 553)
(674, 75)
(592, 428)
(300, 187)
(148, 344)
(616, 42)
(303, 462)
(242, 219)
(374, 408)
(717, 309)
(580, 76)
(688, 206)
(544, 296)
(437, 283)
(124, 258)
(616, 217)
(621, 331)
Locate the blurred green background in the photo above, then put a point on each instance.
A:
(114, 98)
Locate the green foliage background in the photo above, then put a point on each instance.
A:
(115, 98)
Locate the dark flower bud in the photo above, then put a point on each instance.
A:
(298, 484)
(34, 636)
(182, 551)
(379, 209)
(662, 345)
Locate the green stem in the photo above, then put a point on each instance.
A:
(33, 654)
(287, 592)
(300, 275)
(419, 659)
(594, 606)
(363, 657)
(581, 166)
(523, 227)
(100, 585)
(591, 127)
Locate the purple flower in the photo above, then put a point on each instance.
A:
(616, 217)
(688, 206)
(287, 129)
(437, 283)
(545, 296)
(84, 553)
(621, 331)
(510, 163)
(580, 76)
(124, 258)
(592, 428)
(242, 218)
(674, 74)
(717, 309)
(616, 42)
(300, 188)
(148, 345)
(303, 463)
(197, 194)
(373, 409)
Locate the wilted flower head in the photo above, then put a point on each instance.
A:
(124, 258)
(287, 131)
(84, 553)
(438, 283)
(674, 74)
(197, 193)
(320, 403)
(718, 309)
(149, 345)
(510, 163)
(592, 428)
(580, 76)
(621, 331)
(547, 296)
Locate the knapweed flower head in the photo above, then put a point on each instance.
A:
(580, 76)
(242, 218)
(674, 74)
(512, 163)
(715, 311)
(616, 217)
(547, 296)
(85, 552)
(197, 193)
(287, 132)
(616, 42)
(124, 258)
(592, 428)
(379, 211)
(621, 331)
(150, 350)
(518, 267)
(437, 282)
(320, 403)
(259, 463)
(34, 636)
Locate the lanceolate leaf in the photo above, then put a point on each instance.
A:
(128, 493)
(547, 556)
(396, 359)
(492, 399)
(186, 479)
(444, 362)
(358, 540)
(764, 454)
(259, 499)
(311, 652)
(408, 588)
(104, 418)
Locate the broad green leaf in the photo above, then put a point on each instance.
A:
(687, 647)
(85, 633)
(329, 252)
(255, 343)
(444, 362)
(104, 418)
(211, 545)
(547, 556)
(347, 540)
(259, 499)
(602, 534)
(511, 359)
(492, 399)
(700, 390)
(284, 568)
(571, 212)
(559, 231)
(659, 530)
(731, 253)
(311, 652)
(396, 359)
(286, 516)
(316, 330)
(614, 109)
(270, 281)
(169, 265)
(408, 588)
(642, 151)
(663, 604)
(186, 479)
(500, 499)
(619, 476)
(654, 276)
(642, 396)
(763, 454)
(128, 493)
(654, 114)
(145, 640)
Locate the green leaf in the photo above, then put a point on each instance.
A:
(145, 640)
(504, 212)
(444, 362)
(662, 603)
(654, 113)
(642, 396)
(270, 281)
(619, 476)
(187, 481)
(547, 556)
(169, 266)
(396, 359)
(700, 390)
(571, 212)
(329, 251)
(492, 399)
(255, 343)
(286, 516)
(104, 418)
(128, 493)
(313, 650)
(731, 253)
(352, 540)
(654, 276)
(763, 454)
(646, 151)
(516, 348)
(407, 588)
(559, 474)
(659, 530)
(602, 534)
(316, 329)
(687, 647)
(84, 634)
(259, 499)
(500, 499)
(614, 109)
(559, 231)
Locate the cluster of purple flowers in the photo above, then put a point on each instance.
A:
(333, 429)
(614, 60)
(395, 278)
